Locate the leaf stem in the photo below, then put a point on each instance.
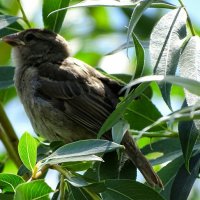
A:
(23, 14)
(8, 136)
(62, 188)
(155, 134)
(189, 19)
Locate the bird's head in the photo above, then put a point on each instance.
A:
(38, 44)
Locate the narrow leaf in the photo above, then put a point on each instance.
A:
(184, 180)
(165, 45)
(190, 68)
(33, 190)
(188, 135)
(28, 150)
(117, 114)
(189, 84)
(136, 15)
(118, 131)
(6, 20)
(54, 22)
(139, 55)
(83, 150)
(8, 182)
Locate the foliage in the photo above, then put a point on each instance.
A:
(89, 169)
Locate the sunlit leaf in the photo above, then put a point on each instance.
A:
(28, 150)
(83, 150)
(37, 189)
(54, 21)
(136, 15)
(189, 84)
(165, 46)
(140, 55)
(6, 20)
(8, 182)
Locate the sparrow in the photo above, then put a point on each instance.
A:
(64, 98)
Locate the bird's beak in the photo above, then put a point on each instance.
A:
(13, 40)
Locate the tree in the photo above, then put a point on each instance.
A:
(170, 139)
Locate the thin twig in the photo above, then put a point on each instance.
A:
(9, 137)
(9, 147)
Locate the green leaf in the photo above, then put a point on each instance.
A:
(8, 182)
(136, 15)
(141, 113)
(188, 135)
(7, 94)
(27, 149)
(77, 166)
(82, 194)
(165, 46)
(117, 114)
(6, 76)
(129, 190)
(114, 3)
(113, 168)
(139, 55)
(184, 180)
(7, 196)
(169, 149)
(33, 190)
(168, 174)
(118, 131)
(83, 150)
(13, 28)
(6, 20)
(54, 21)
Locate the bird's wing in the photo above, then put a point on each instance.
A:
(81, 92)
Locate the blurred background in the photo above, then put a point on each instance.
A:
(92, 33)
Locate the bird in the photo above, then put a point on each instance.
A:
(65, 98)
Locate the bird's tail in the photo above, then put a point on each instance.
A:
(139, 160)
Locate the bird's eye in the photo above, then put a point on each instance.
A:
(29, 37)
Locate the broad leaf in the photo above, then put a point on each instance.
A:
(54, 21)
(8, 182)
(6, 20)
(128, 190)
(165, 46)
(184, 180)
(33, 190)
(28, 150)
(83, 150)
(6, 76)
